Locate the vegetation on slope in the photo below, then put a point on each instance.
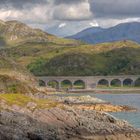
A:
(105, 59)
(10, 84)
(14, 78)
(56, 56)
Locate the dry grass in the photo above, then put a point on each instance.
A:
(22, 101)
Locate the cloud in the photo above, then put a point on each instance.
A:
(51, 13)
(45, 10)
(62, 25)
(30, 11)
(105, 23)
(71, 10)
(21, 4)
(58, 2)
(115, 8)
(79, 11)
(94, 24)
(72, 27)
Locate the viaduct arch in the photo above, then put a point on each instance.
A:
(91, 82)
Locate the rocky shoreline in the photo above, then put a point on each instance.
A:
(32, 121)
(107, 90)
(106, 108)
(58, 124)
(89, 103)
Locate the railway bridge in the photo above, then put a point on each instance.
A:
(91, 82)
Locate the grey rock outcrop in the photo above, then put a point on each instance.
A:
(62, 124)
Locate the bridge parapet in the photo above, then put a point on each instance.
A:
(90, 81)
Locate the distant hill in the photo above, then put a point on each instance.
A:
(87, 32)
(64, 57)
(118, 58)
(15, 33)
(124, 31)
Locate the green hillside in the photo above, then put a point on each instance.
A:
(121, 58)
(44, 54)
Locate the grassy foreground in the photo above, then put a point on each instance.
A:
(23, 100)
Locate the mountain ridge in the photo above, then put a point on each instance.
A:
(123, 31)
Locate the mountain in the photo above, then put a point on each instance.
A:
(15, 33)
(124, 31)
(67, 28)
(87, 32)
(64, 57)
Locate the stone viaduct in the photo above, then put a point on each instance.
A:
(91, 82)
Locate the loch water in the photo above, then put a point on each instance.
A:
(125, 99)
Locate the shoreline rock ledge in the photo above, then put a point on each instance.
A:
(90, 103)
(38, 119)
(63, 124)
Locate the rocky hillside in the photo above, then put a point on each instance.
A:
(15, 79)
(124, 31)
(13, 33)
(23, 117)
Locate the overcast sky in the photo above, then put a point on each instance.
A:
(65, 17)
